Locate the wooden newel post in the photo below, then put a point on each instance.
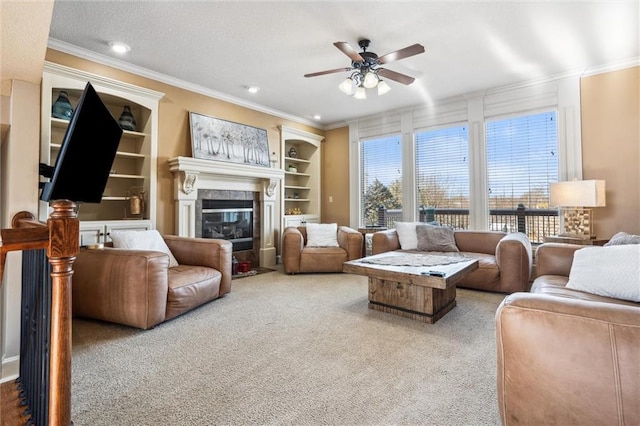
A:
(64, 230)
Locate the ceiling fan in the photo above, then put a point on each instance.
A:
(366, 69)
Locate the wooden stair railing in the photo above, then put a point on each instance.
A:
(60, 237)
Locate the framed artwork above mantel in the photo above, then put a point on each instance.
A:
(221, 140)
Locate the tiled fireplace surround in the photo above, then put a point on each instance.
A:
(195, 179)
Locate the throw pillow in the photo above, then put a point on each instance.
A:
(623, 238)
(407, 235)
(607, 271)
(435, 238)
(322, 235)
(142, 240)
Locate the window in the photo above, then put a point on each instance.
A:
(442, 176)
(522, 160)
(381, 181)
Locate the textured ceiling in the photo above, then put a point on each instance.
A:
(470, 46)
(22, 51)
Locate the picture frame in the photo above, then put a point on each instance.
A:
(222, 140)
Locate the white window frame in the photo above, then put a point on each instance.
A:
(561, 94)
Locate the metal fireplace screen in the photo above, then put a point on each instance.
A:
(230, 220)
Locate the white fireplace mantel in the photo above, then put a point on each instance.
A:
(191, 174)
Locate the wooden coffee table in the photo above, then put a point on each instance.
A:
(406, 290)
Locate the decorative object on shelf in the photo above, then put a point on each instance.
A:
(221, 140)
(135, 207)
(62, 108)
(572, 197)
(296, 195)
(126, 120)
(273, 159)
(297, 210)
(235, 266)
(292, 168)
(292, 152)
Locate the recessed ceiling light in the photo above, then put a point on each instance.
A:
(317, 116)
(253, 89)
(119, 47)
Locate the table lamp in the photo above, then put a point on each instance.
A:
(574, 199)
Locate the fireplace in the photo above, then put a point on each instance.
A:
(229, 220)
(196, 180)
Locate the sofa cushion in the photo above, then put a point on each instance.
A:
(436, 238)
(486, 277)
(554, 285)
(322, 259)
(407, 235)
(612, 271)
(622, 238)
(142, 240)
(322, 234)
(191, 286)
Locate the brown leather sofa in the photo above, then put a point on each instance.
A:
(297, 257)
(504, 268)
(137, 287)
(567, 357)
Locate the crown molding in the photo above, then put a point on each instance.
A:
(614, 66)
(172, 81)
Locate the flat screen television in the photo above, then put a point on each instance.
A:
(86, 154)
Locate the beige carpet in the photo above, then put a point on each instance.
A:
(291, 350)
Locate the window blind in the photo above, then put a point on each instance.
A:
(522, 160)
(381, 180)
(442, 175)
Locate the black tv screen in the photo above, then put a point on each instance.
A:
(86, 153)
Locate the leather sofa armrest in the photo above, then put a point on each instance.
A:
(209, 252)
(514, 258)
(567, 361)
(383, 241)
(555, 258)
(351, 241)
(119, 285)
(292, 245)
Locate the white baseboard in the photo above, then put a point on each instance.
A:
(10, 369)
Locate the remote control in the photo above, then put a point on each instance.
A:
(433, 273)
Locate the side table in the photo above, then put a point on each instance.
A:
(579, 241)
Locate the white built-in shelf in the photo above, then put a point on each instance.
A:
(298, 200)
(297, 160)
(297, 174)
(118, 153)
(296, 187)
(60, 123)
(120, 176)
(114, 198)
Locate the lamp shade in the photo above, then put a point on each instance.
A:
(578, 193)
(360, 93)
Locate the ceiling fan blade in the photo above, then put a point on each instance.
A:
(348, 50)
(315, 74)
(395, 76)
(412, 50)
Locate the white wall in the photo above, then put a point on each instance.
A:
(18, 191)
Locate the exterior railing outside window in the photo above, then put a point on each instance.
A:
(535, 223)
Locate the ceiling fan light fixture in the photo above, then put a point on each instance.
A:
(360, 93)
(346, 86)
(383, 87)
(370, 80)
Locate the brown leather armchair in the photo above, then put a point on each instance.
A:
(296, 257)
(565, 356)
(137, 287)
